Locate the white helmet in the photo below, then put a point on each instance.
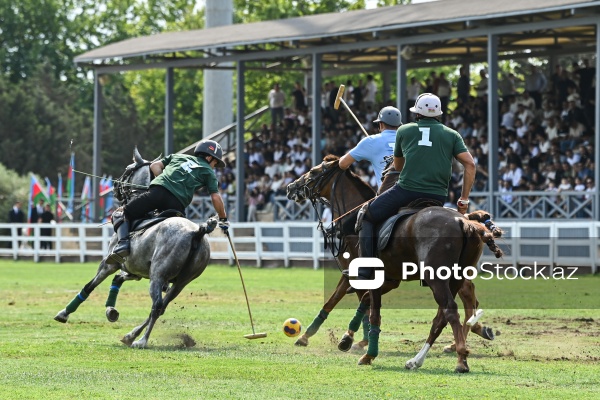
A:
(428, 105)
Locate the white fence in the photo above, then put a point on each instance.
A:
(546, 243)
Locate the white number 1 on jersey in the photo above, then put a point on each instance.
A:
(424, 138)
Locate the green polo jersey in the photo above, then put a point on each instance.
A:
(428, 147)
(184, 174)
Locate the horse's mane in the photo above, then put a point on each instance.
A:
(363, 188)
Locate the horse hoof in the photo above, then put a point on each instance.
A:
(302, 341)
(360, 346)
(412, 365)
(345, 343)
(488, 333)
(62, 316)
(127, 340)
(461, 369)
(112, 315)
(366, 360)
(451, 348)
(138, 345)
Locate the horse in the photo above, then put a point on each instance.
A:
(173, 251)
(339, 242)
(436, 236)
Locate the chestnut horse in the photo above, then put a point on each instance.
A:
(436, 236)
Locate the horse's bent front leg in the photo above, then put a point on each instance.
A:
(375, 321)
(336, 297)
(111, 312)
(104, 271)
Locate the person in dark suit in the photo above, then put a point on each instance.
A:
(15, 215)
(46, 217)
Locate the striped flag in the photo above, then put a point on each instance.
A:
(51, 194)
(60, 195)
(71, 184)
(86, 194)
(36, 193)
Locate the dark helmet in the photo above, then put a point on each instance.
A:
(210, 148)
(390, 116)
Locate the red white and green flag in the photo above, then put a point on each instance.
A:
(36, 193)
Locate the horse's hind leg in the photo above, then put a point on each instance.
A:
(104, 270)
(159, 306)
(438, 324)
(470, 304)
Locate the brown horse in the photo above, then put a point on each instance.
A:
(340, 243)
(436, 236)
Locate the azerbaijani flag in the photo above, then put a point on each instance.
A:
(36, 193)
(60, 195)
(86, 194)
(71, 184)
(51, 194)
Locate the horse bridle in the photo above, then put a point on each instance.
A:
(312, 193)
(125, 191)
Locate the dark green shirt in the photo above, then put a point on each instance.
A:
(184, 174)
(428, 147)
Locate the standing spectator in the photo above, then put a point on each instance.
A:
(482, 87)
(586, 77)
(535, 84)
(46, 217)
(16, 216)
(276, 103)
(463, 87)
(348, 93)
(443, 91)
(413, 91)
(507, 86)
(254, 199)
(358, 94)
(370, 92)
(299, 95)
(36, 211)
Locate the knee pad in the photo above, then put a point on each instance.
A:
(117, 218)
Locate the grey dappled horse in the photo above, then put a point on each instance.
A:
(173, 251)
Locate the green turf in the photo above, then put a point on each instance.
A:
(538, 354)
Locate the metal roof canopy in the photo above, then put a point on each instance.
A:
(468, 31)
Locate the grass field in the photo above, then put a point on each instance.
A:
(539, 354)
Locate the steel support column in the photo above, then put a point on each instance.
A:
(97, 167)
(240, 212)
(169, 103)
(597, 128)
(492, 119)
(316, 109)
(401, 95)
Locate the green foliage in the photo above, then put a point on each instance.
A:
(13, 188)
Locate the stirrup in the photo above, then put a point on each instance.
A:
(115, 258)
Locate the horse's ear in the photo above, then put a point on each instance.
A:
(137, 157)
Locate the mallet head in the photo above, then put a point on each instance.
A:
(340, 93)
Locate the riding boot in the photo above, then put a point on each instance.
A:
(365, 239)
(121, 250)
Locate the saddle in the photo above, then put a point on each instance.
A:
(153, 218)
(384, 231)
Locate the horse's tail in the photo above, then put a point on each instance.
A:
(475, 229)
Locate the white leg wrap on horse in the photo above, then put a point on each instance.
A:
(418, 360)
(473, 320)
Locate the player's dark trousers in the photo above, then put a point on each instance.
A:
(157, 198)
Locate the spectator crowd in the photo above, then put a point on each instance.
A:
(546, 132)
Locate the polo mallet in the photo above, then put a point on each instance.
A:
(336, 105)
(253, 335)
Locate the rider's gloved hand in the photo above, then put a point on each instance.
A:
(224, 224)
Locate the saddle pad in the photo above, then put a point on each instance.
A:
(146, 223)
(385, 231)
